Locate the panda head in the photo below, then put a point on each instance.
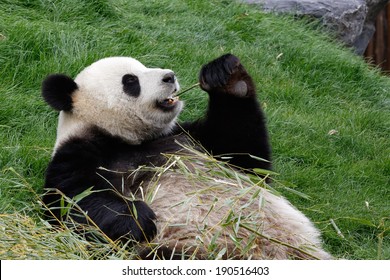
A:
(117, 94)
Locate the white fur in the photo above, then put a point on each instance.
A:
(198, 212)
(101, 101)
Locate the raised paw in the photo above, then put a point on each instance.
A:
(226, 75)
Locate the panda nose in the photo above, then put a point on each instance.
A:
(169, 78)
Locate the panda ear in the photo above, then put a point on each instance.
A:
(57, 90)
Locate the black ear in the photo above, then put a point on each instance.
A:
(57, 90)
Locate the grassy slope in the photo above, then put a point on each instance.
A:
(307, 83)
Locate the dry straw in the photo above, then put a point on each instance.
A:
(24, 237)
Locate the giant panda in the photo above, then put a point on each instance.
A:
(118, 140)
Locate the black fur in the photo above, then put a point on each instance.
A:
(234, 125)
(57, 90)
(76, 167)
(131, 85)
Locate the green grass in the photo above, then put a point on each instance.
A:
(308, 84)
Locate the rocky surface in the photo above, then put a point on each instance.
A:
(353, 21)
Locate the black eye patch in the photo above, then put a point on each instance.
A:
(131, 85)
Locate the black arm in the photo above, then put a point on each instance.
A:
(234, 124)
(74, 169)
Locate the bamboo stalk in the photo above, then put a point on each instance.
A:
(187, 89)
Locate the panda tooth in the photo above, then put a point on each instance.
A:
(172, 98)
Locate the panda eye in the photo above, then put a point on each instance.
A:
(128, 79)
(131, 85)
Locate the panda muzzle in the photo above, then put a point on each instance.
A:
(168, 103)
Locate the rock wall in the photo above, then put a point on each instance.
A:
(353, 21)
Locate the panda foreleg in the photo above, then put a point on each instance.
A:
(234, 125)
(75, 182)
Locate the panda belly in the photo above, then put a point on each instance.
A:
(221, 218)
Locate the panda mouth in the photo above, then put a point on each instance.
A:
(169, 103)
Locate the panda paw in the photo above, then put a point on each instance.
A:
(136, 222)
(143, 227)
(226, 75)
